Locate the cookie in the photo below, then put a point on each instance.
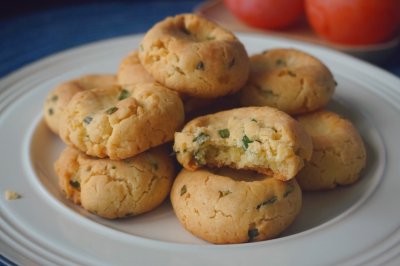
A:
(288, 79)
(120, 122)
(114, 189)
(131, 71)
(194, 56)
(263, 139)
(339, 153)
(59, 97)
(234, 206)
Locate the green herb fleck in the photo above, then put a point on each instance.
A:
(113, 167)
(292, 74)
(224, 133)
(290, 189)
(210, 38)
(246, 142)
(111, 110)
(231, 63)
(183, 190)
(75, 184)
(254, 120)
(200, 66)
(252, 233)
(87, 120)
(280, 62)
(199, 158)
(267, 202)
(51, 111)
(124, 94)
(224, 193)
(54, 98)
(201, 138)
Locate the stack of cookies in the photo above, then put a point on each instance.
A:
(250, 133)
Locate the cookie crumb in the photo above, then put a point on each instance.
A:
(11, 195)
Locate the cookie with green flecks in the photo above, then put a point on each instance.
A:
(225, 206)
(262, 139)
(288, 79)
(59, 97)
(194, 56)
(115, 189)
(339, 152)
(132, 72)
(120, 122)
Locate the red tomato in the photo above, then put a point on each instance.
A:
(267, 14)
(354, 21)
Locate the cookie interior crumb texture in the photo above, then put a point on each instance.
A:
(263, 139)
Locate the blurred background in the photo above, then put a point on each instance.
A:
(31, 30)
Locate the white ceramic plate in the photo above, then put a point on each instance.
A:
(352, 225)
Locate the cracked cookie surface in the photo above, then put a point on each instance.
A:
(59, 97)
(263, 139)
(120, 122)
(288, 79)
(234, 206)
(131, 72)
(192, 55)
(115, 189)
(339, 153)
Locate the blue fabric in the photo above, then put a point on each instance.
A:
(53, 26)
(29, 37)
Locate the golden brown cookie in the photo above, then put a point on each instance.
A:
(339, 153)
(114, 189)
(131, 71)
(234, 206)
(194, 56)
(288, 79)
(120, 122)
(263, 139)
(59, 97)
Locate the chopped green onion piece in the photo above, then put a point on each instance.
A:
(201, 138)
(87, 120)
(183, 190)
(224, 193)
(200, 66)
(224, 133)
(75, 184)
(252, 233)
(51, 111)
(111, 110)
(124, 94)
(267, 202)
(246, 142)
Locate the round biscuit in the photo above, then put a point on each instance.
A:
(194, 56)
(120, 122)
(288, 79)
(339, 153)
(262, 139)
(233, 206)
(115, 189)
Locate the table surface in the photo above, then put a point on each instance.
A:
(31, 30)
